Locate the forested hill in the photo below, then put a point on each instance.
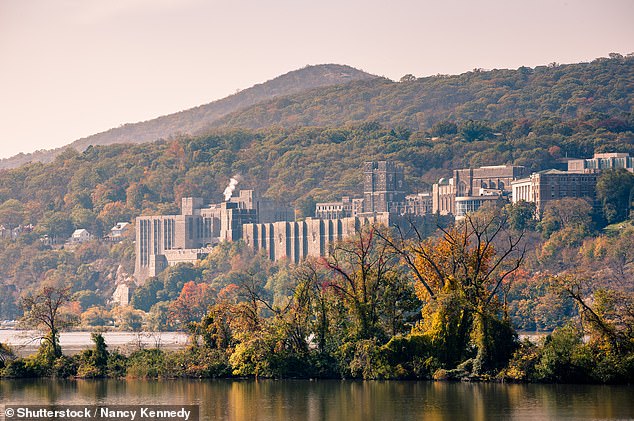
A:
(563, 91)
(106, 184)
(199, 119)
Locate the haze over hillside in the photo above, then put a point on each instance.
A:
(561, 91)
(199, 119)
(335, 95)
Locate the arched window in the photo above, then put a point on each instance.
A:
(462, 188)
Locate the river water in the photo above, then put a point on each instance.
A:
(338, 400)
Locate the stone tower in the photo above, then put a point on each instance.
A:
(383, 186)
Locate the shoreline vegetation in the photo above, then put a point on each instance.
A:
(559, 357)
(381, 306)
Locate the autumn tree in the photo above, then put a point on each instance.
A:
(599, 308)
(612, 256)
(444, 128)
(407, 78)
(459, 278)
(472, 130)
(216, 326)
(363, 268)
(569, 213)
(521, 215)
(93, 363)
(192, 303)
(43, 310)
(606, 321)
(57, 225)
(12, 213)
(127, 318)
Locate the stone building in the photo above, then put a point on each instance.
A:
(444, 197)
(335, 210)
(295, 241)
(471, 188)
(164, 240)
(602, 161)
(490, 180)
(418, 204)
(383, 186)
(545, 186)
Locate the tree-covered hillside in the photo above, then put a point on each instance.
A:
(103, 185)
(251, 317)
(108, 183)
(563, 91)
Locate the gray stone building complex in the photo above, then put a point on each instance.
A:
(312, 237)
(471, 188)
(164, 240)
(264, 226)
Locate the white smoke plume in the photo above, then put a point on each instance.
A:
(233, 183)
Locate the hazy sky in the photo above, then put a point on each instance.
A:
(72, 68)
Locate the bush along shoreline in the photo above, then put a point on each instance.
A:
(560, 357)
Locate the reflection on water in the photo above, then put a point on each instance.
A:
(338, 400)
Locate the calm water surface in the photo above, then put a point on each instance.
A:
(339, 400)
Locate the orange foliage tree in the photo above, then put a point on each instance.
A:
(460, 278)
(192, 303)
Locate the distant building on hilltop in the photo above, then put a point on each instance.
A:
(383, 186)
(118, 231)
(602, 161)
(549, 185)
(80, 236)
(470, 188)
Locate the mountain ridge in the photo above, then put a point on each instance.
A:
(568, 91)
(341, 95)
(195, 120)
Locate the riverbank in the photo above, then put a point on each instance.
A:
(562, 357)
(26, 342)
